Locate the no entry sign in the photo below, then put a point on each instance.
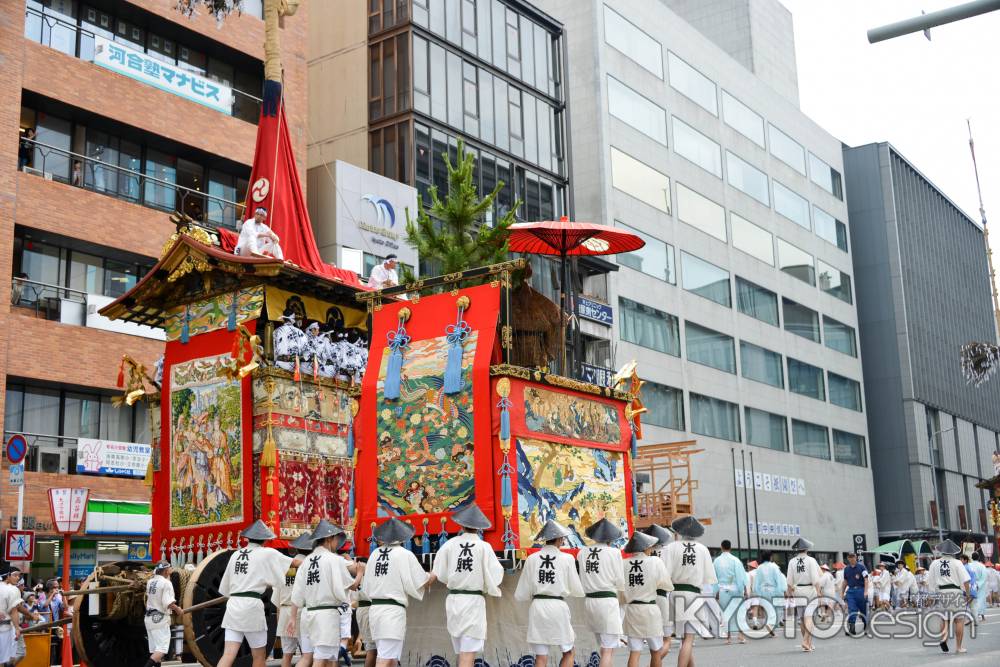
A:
(17, 448)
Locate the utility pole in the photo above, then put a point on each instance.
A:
(925, 22)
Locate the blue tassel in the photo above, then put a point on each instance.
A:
(350, 501)
(509, 538)
(506, 497)
(443, 535)
(408, 544)
(504, 406)
(635, 445)
(350, 439)
(372, 544)
(232, 313)
(186, 329)
(456, 333)
(635, 499)
(398, 341)
(425, 546)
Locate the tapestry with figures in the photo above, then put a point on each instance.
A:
(575, 486)
(571, 416)
(303, 417)
(312, 488)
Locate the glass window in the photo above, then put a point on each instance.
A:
(839, 336)
(849, 448)
(715, 418)
(705, 279)
(787, 149)
(452, 21)
(743, 119)
(664, 406)
(835, 282)
(747, 178)
(439, 83)
(810, 439)
(42, 264)
(116, 423)
(486, 126)
(761, 365)
(54, 132)
(86, 273)
(191, 60)
(765, 429)
(800, 320)
(545, 120)
(791, 205)
(82, 416)
(756, 301)
(530, 129)
(160, 193)
(421, 77)
(620, 34)
(796, 262)
(825, 177)
(56, 28)
(528, 52)
(692, 84)
(649, 327)
(701, 212)
(696, 147)
(844, 392)
(119, 277)
(751, 239)
(502, 113)
(830, 229)
(499, 33)
(41, 411)
(710, 348)
(638, 180)
(806, 379)
(639, 112)
(656, 258)
(454, 90)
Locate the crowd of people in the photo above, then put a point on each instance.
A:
(21, 608)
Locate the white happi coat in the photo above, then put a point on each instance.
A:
(285, 603)
(320, 591)
(550, 572)
(663, 601)
(947, 576)
(159, 597)
(289, 341)
(250, 244)
(689, 563)
(251, 569)
(467, 563)
(600, 569)
(392, 573)
(827, 585)
(803, 575)
(644, 575)
(883, 583)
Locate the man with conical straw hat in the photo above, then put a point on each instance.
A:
(949, 582)
(803, 586)
(601, 574)
(689, 566)
(290, 643)
(645, 574)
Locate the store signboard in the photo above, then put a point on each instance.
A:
(108, 457)
(82, 559)
(68, 507)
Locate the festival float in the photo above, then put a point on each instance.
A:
(412, 401)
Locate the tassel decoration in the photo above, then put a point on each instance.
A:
(186, 328)
(350, 500)
(508, 537)
(398, 341)
(456, 334)
(634, 445)
(121, 374)
(231, 325)
(297, 375)
(443, 535)
(372, 542)
(148, 479)
(425, 545)
(408, 544)
(505, 471)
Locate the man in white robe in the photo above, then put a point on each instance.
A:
(290, 343)
(733, 583)
(600, 568)
(321, 592)
(644, 575)
(803, 586)
(257, 239)
(470, 569)
(160, 601)
(663, 538)
(547, 577)
(10, 615)
(770, 584)
(286, 613)
(250, 571)
(949, 582)
(392, 575)
(384, 275)
(689, 566)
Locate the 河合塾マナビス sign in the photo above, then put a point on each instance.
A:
(107, 457)
(171, 78)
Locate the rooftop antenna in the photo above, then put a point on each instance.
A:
(986, 231)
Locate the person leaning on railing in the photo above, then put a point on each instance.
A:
(17, 288)
(25, 149)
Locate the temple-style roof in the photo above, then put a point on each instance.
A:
(192, 267)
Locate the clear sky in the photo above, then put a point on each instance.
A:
(913, 93)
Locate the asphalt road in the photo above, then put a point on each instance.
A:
(983, 650)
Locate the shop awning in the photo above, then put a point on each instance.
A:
(896, 549)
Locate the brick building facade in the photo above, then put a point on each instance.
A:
(86, 211)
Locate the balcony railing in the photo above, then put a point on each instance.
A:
(51, 302)
(93, 174)
(74, 40)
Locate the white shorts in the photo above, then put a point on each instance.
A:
(305, 645)
(638, 643)
(345, 624)
(326, 652)
(289, 645)
(465, 644)
(254, 639)
(605, 640)
(159, 639)
(7, 643)
(883, 597)
(389, 649)
(543, 649)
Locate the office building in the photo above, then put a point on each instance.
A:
(740, 309)
(138, 112)
(923, 291)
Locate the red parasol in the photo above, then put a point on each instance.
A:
(563, 238)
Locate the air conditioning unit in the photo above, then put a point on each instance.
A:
(35, 172)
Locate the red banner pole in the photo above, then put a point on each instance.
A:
(67, 647)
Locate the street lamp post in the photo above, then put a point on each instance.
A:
(937, 499)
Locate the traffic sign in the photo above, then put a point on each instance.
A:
(17, 448)
(860, 543)
(19, 545)
(16, 472)
(68, 507)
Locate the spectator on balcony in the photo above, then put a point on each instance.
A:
(17, 288)
(77, 176)
(257, 239)
(26, 149)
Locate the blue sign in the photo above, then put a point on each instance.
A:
(594, 311)
(142, 67)
(597, 375)
(17, 447)
(138, 551)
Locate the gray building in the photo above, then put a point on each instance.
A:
(740, 308)
(923, 291)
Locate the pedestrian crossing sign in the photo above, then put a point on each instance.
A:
(19, 545)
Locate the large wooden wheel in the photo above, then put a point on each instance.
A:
(100, 640)
(203, 632)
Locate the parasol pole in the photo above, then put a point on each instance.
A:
(564, 302)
